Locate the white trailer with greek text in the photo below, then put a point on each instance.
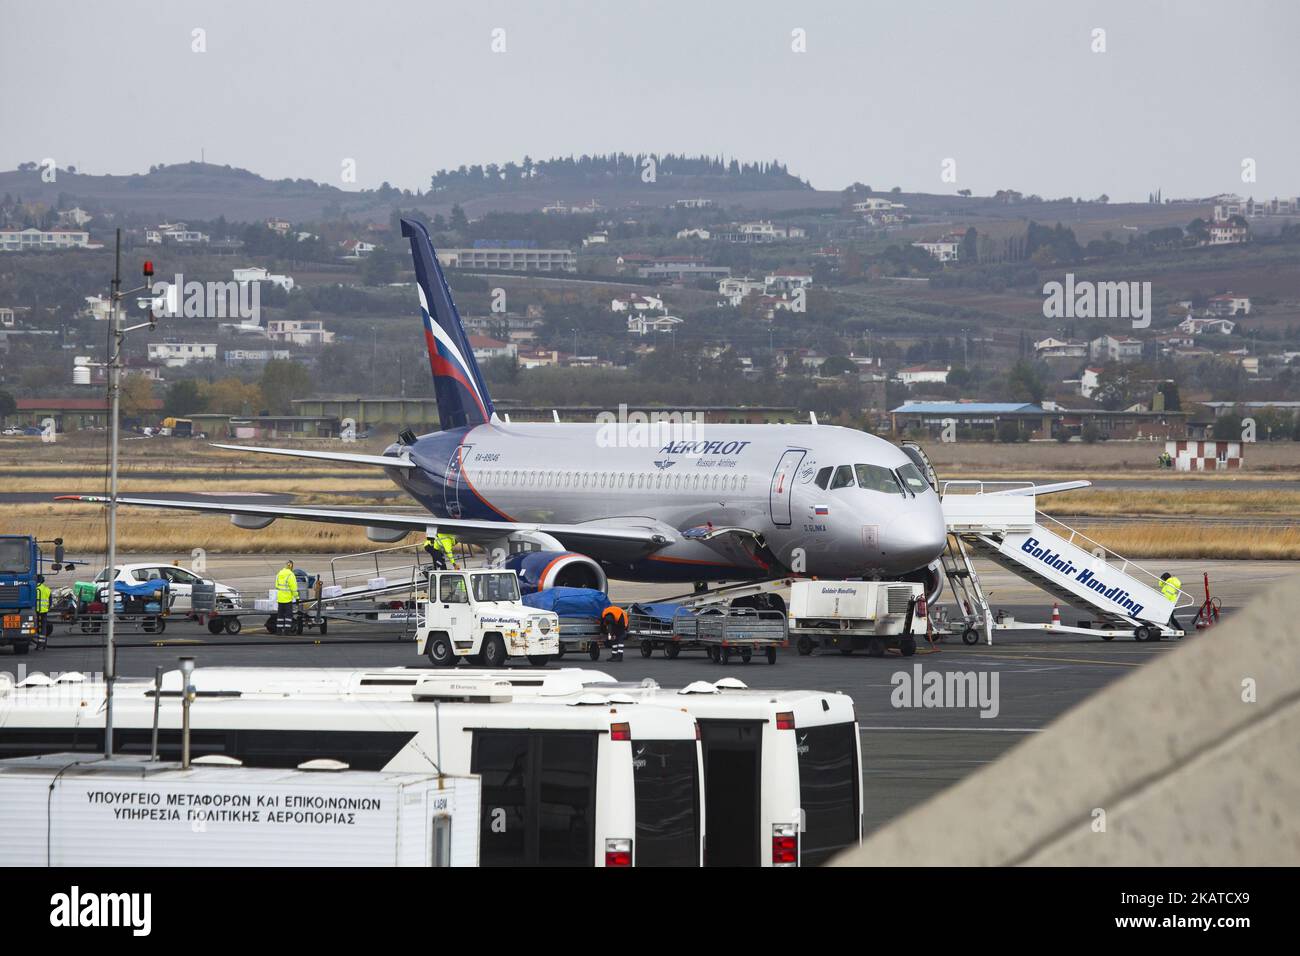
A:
(83, 810)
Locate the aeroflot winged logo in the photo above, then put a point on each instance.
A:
(1083, 575)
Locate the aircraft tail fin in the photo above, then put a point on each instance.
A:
(458, 385)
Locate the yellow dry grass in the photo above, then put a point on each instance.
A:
(1171, 501)
(82, 528)
(1190, 540)
(297, 485)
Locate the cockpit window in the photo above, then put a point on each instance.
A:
(877, 478)
(843, 477)
(824, 477)
(912, 476)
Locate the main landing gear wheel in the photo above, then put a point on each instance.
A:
(970, 636)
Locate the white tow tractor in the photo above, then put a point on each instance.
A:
(478, 615)
(857, 615)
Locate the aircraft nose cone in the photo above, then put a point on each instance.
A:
(916, 537)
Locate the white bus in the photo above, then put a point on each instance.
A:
(560, 784)
(782, 769)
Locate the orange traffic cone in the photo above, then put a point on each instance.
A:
(1056, 615)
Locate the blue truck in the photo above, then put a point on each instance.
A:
(21, 560)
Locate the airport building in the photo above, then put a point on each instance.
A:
(509, 258)
(70, 414)
(980, 420)
(421, 414)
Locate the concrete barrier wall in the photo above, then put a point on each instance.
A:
(1175, 761)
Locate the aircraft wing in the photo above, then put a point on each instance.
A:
(597, 539)
(383, 461)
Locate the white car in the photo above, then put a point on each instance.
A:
(181, 581)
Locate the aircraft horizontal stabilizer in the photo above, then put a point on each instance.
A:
(383, 461)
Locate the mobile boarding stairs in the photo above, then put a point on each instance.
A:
(999, 521)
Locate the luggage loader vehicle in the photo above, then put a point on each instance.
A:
(478, 615)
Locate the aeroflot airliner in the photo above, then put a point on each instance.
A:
(573, 504)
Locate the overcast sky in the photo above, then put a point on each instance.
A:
(1185, 90)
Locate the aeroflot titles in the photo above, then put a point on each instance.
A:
(703, 448)
(1082, 575)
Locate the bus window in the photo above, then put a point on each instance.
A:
(732, 779)
(501, 759)
(665, 776)
(828, 790)
(566, 805)
(539, 797)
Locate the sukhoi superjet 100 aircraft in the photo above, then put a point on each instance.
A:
(572, 504)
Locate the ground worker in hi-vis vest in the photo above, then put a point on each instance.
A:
(442, 549)
(42, 608)
(286, 593)
(1170, 587)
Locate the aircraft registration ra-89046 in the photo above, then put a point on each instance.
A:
(572, 504)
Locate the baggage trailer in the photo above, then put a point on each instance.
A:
(721, 632)
(851, 616)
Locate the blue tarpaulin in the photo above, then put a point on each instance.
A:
(147, 589)
(661, 610)
(569, 602)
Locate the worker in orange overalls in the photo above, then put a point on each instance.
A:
(613, 622)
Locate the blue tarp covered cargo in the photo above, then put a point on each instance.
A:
(569, 602)
(664, 611)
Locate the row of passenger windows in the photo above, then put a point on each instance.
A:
(873, 478)
(610, 480)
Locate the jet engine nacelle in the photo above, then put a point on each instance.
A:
(539, 570)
